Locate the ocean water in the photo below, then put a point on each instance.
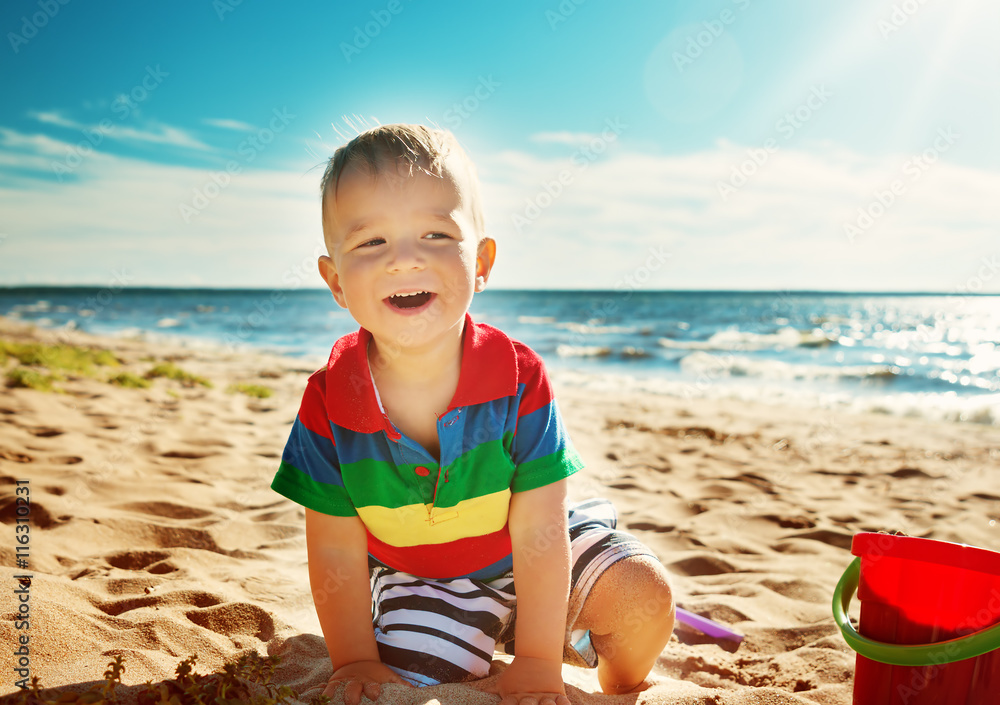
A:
(929, 355)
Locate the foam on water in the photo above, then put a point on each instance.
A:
(927, 355)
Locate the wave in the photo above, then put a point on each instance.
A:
(591, 327)
(702, 364)
(933, 406)
(538, 320)
(583, 350)
(738, 341)
(628, 352)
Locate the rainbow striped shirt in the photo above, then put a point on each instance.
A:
(502, 433)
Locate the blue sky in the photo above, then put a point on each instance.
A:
(733, 144)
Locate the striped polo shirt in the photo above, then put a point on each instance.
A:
(502, 433)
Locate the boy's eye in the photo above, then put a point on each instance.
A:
(438, 236)
(371, 242)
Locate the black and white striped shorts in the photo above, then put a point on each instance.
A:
(446, 631)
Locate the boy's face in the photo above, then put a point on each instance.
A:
(405, 257)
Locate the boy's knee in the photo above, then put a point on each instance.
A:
(649, 594)
(630, 595)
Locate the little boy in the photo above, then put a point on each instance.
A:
(432, 461)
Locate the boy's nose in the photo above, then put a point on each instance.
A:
(405, 256)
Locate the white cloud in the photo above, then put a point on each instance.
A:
(227, 124)
(34, 144)
(574, 139)
(784, 228)
(122, 214)
(155, 133)
(602, 225)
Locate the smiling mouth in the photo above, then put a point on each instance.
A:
(414, 300)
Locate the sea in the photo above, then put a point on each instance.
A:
(933, 356)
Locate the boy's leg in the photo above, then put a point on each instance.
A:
(630, 615)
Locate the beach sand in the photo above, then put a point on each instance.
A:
(154, 534)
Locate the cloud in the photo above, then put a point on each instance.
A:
(120, 214)
(573, 139)
(155, 133)
(572, 222)
(227, 124)
(560, 222)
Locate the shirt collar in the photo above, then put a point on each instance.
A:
(489, 371)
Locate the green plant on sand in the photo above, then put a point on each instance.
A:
(257, 391)
(68, 358)
(248, 680)
(28, 378)
(172, 371)
(129, 380)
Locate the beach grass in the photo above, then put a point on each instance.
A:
(28, 378)
(129, 380)
(65, 358)
(250, 679)
(172, 371)
(258, 391)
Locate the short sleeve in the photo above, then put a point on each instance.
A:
(309, 473)
(541, 448)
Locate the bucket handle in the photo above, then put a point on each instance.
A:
(958, 649)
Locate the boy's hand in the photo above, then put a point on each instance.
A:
(532, 681)
(362, 677)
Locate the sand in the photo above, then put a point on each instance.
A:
(154, 533)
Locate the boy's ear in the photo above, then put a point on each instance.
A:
(332, 279)
(484, 261)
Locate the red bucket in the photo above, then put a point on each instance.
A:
(930, 621)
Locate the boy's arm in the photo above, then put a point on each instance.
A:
(540, 542)
(338, 576)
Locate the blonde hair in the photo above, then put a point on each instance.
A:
(433, 151)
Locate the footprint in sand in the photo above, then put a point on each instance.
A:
(165, 509)
(187, 454)
(705, 564)
(839, 473)
(906, 473)
(832, 538)
(64, 459)
(45, 431)
(157, 562)
(235, 618)
(14, 456)
(795, 589)
(790, 521)
(41, 518)
(197, 598)
(649, 526)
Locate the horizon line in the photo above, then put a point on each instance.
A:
(860, 292)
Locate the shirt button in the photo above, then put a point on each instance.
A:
(422, 471)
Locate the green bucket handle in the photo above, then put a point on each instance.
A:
(958, 649)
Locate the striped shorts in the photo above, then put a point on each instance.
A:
(446, 631)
